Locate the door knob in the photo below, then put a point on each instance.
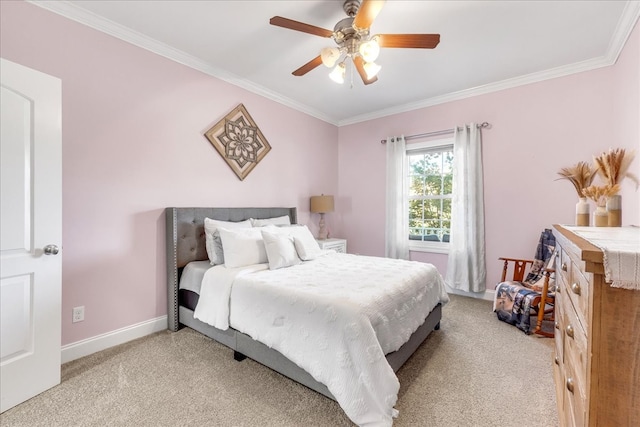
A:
(51, 250)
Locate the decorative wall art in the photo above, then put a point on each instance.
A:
(239, 141)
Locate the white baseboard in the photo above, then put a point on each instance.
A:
(92, 345)
(486, 295)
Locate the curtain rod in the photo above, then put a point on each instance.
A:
(438, 132)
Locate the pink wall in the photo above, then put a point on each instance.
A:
(133, 144)
(536, 130)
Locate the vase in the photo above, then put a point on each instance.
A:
(614, 211)
(582, 212)
(601, 217)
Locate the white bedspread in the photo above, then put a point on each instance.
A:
(215, 293)
(336, 317)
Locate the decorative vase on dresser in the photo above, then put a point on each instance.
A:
(614, 210)
(600, 217)
(582, 212)
(597, 339)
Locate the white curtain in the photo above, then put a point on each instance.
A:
(466, 268)
(397, 220)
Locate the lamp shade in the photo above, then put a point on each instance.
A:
(370, 50)
(321, 204)
(371, 69)
(329, 56)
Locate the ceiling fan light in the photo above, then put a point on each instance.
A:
(329, 56)
(370, 50)
(337, 75)
(372, 69)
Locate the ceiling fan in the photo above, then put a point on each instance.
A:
(353, 39)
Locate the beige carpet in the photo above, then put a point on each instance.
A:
(474, 371)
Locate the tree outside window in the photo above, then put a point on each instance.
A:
(430, 186)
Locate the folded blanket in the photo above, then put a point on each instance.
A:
(513, 304)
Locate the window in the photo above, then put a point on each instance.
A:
(430, 168)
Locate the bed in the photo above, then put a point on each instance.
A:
(186, 248)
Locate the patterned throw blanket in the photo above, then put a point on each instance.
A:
(513, 300)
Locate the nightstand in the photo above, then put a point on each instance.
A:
(338, 245)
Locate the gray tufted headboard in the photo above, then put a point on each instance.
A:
(186, 243)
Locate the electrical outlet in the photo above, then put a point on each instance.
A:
(78, 314)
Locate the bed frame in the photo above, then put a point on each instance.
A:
(186, 243)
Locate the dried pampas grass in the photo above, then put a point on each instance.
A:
(581, 175)
(613, 166)
(599, 194)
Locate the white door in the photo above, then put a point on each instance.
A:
(30, 232)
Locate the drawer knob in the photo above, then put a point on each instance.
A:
(570, 384)
(576, 288)
(557, 326)
(564, 266)
(557, 360)
(570, 331)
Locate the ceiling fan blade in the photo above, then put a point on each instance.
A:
(420, 41)
(299, 26)
(308, 66)
(359, 63)
(367, 12)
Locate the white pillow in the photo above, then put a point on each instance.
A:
(304, 242)
(280, 220)
(212, 238)
(242, 246)
(280, 249)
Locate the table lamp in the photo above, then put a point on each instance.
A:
(322, 205)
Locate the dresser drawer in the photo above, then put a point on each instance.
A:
(559, 325)
(575, 355)
(578, 290)
(563, 266)
(576, 286)
(574, 401)
(558, 379)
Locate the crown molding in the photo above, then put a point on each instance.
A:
(627, 21)
(482, 90)
(625, 26)
(82, 16)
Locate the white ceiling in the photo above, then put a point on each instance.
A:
(485, 46)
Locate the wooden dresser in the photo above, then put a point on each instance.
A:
(597, 340)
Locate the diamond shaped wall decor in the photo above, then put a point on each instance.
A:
(239, 141)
